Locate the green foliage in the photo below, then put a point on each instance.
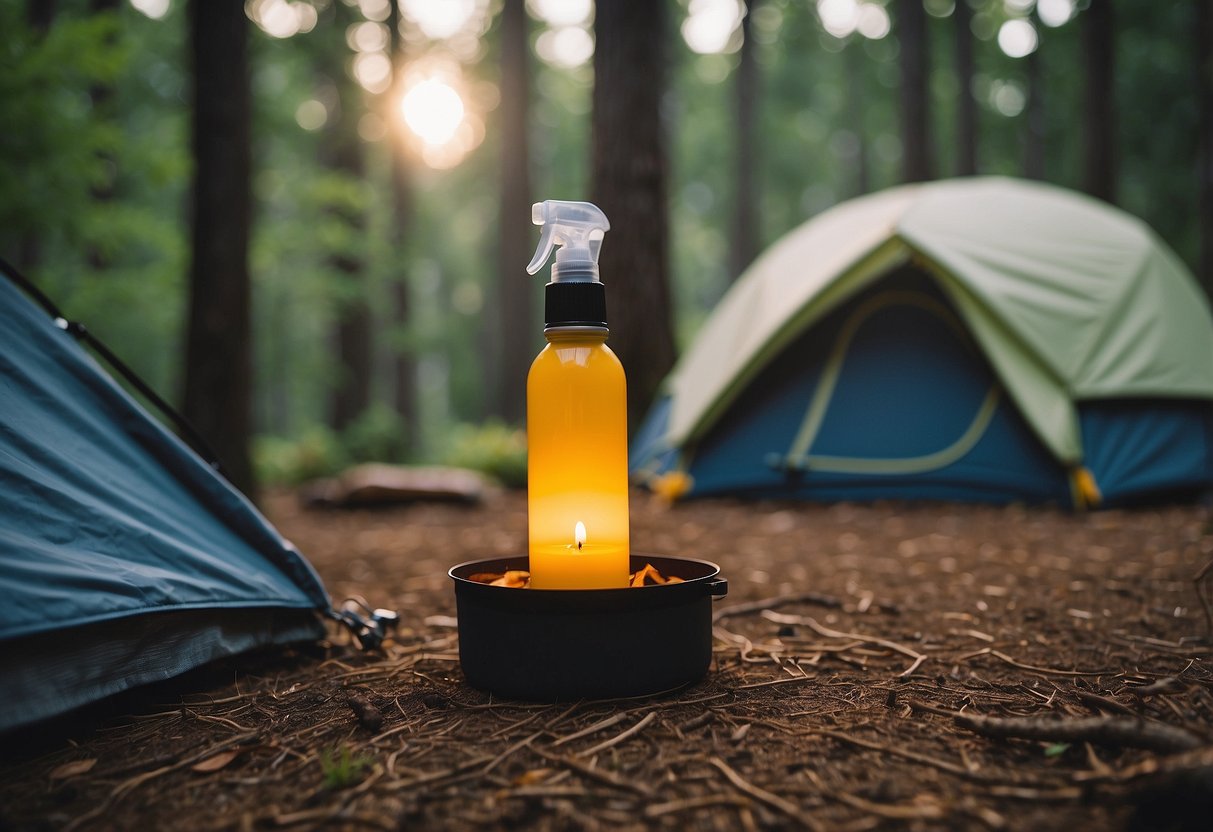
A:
(94, 175)
(492, 448)
(378, 435)
(51, 144)
(344, 768)
(317, 452)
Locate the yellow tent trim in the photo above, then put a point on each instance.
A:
(799, 457)
(1084, 489)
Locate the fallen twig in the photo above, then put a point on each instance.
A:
(1103, 703)
(595, 773)
(593, 729)
(784, 681)
(827, 632)
(927, 811)
(1135, 732)
(1163, 686)
(464, 769)
(620, 737)
(1053, 671)
(763, 796)
(1035, 795)
(818, 598)
(914, 756)
(1197, 758)
(496, 761)
(687, 804)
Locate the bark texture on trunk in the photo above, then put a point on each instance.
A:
(1097, 29)
(856, 106)
(1034, 120)
(352, 326)
(517, 325)
(404, 361)
(744, 242)
(219, 347)
(966, 105)
(101, 97)
(628, 181)
(916, 161)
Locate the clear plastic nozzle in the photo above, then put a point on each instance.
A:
(576, 229)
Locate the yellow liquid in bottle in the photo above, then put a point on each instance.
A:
(577, 464)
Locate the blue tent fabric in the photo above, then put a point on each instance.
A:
(910, 385)
(116, 540)
(1140, 450)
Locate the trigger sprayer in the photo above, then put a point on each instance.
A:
(577, 473)
(576, 296)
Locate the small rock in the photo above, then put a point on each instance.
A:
(369, 717)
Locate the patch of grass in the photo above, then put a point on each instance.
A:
(343, 768)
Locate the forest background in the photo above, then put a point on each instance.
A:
(336, 193)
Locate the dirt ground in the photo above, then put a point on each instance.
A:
(855, 695)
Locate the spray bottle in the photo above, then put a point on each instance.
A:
(577, 480)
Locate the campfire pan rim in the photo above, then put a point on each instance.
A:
(565, 644)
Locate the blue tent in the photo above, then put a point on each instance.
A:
(983, 339)
(124, 558)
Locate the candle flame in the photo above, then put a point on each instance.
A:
(579, 534)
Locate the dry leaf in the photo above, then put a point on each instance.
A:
(515, 578)
(216, 761)
(649, 572)
(530, 778)
(73, 769)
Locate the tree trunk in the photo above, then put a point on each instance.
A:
(966, 105)
(517, 327)
(916, 164)
(40, 14)
(102, 191)
(1097, 29)
(352, 331)
(218, 357)
(1034, 120)
(628, 181)
(745, 208)
(856, 105)
(404, 362)
(1204, 91)
(342, 152)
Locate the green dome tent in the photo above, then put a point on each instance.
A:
(984, 338)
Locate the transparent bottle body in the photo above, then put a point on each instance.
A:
(577, 478)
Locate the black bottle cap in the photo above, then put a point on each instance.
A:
(574, 304)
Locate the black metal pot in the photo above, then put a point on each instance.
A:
(562, 644)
